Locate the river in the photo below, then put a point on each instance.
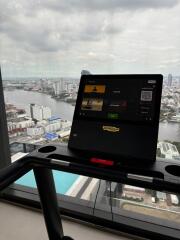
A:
(22, 99)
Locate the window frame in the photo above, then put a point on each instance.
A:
(5, 159)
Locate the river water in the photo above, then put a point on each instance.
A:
(22, 99)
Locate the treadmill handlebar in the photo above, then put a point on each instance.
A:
(154, 176)
(13, 172)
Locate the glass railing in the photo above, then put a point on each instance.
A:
(112, 200)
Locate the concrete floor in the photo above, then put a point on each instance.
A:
(18, 223)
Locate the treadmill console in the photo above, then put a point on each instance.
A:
(117, 116)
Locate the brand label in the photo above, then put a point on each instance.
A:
(111, 129)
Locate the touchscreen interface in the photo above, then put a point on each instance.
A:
(113, 99)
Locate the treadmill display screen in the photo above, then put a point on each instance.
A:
(123, 100)
(117, 115)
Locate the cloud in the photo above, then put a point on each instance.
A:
(174, 61)
(44, 33)
(34, 26)
(87, 5)
(99, 5)
(104, 35)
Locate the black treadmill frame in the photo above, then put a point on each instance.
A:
(41, 161)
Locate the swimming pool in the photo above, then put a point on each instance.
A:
(63, 180)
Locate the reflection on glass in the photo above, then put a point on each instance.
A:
(125, 199)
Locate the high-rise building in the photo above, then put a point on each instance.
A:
(39, 112)
(41, 84)
(179, 82)
(169, 80)
(59, 87)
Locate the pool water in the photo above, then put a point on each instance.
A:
(63, 180)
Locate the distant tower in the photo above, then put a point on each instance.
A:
(43, 84)
(85, 72)
(59, 87)
(62, 85)
(31, 110)
(169, 83)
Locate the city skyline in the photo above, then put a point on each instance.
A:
(56, 38)
(58, 78)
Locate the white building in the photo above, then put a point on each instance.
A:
(175, 118)
(39, 112)
(65, 128)
(168, 150)
(18, 127)
(59, 87)
(46, 113)
(66, 125)
(23, 124)
(161, 196)
(131, 192)
(53, 126)
(35, 131)
(174, 199)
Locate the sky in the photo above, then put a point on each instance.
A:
(56, 38)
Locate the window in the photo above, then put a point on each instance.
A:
(44, 47)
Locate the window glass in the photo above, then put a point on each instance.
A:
(46, 45)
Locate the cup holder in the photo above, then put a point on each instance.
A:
(47, 149)
(173, 170)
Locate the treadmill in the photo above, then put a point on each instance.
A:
(113, 137)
